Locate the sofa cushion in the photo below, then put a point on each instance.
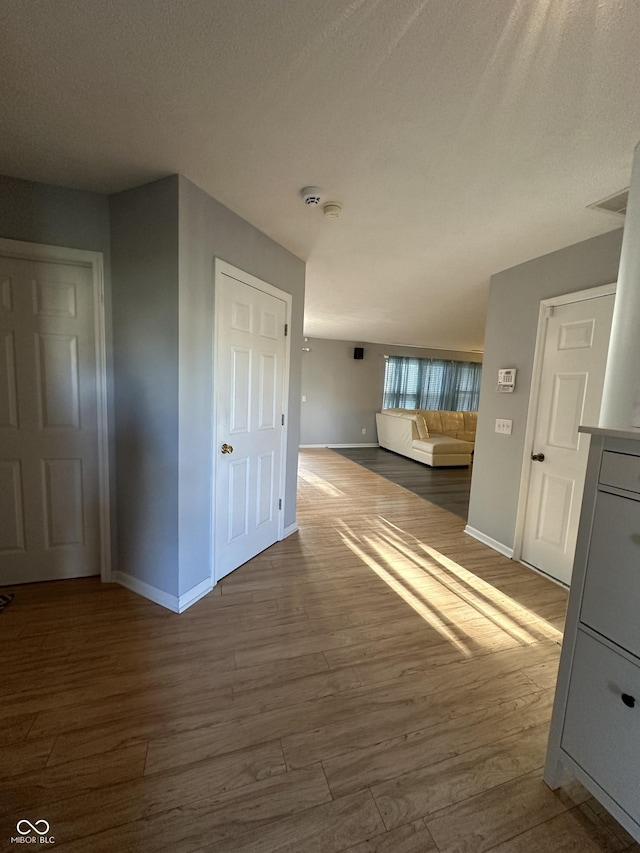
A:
(399, 413)
(466, 436)
(452, 422)
(432, 420)
(441, 444)
(423, 430)
(470, 421)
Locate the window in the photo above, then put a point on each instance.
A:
(431, 383)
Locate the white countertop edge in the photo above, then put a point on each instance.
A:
(630, 432)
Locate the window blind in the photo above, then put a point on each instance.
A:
(430, 383)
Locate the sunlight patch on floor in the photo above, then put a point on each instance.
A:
(454, 601)
(429, 614)
(319, 483)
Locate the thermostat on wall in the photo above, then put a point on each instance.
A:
(506, 379)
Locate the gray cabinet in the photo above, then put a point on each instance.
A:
(595, 728)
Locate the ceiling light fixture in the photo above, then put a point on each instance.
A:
(332, 209)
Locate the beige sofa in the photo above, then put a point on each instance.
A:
(433, 437)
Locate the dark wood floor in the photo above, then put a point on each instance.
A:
(446, 487)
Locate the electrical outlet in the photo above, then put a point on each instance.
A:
(304, 398)
(503, 426)
(364, 430)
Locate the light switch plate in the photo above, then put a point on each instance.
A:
(504, 426)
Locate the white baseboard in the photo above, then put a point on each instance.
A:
(488, 540)
(194, 594)
(292, 528)
(359, 444)
(158, 596)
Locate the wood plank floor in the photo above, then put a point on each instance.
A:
(449, 488)
(376, 683)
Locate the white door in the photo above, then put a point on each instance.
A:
(249, 388)
(574, 360)
(49, 477)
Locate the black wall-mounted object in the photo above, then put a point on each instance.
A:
(358, 352)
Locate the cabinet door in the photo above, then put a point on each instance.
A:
(602, 733)
(612, 582)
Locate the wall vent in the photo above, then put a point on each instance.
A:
(615, 204)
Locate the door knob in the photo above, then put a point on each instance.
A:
(226, 448)
(537, 457)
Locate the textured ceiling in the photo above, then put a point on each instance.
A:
(462, 136)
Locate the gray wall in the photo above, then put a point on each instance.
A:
(165, 236)
(512, 321)
(56, 216)
(343, 394)
(208, 230)
(144, 229)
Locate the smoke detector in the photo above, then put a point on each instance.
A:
(332, 209)
(311, 196)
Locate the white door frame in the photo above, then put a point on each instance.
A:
(546, 306)
(221, 268)
(95, 262)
